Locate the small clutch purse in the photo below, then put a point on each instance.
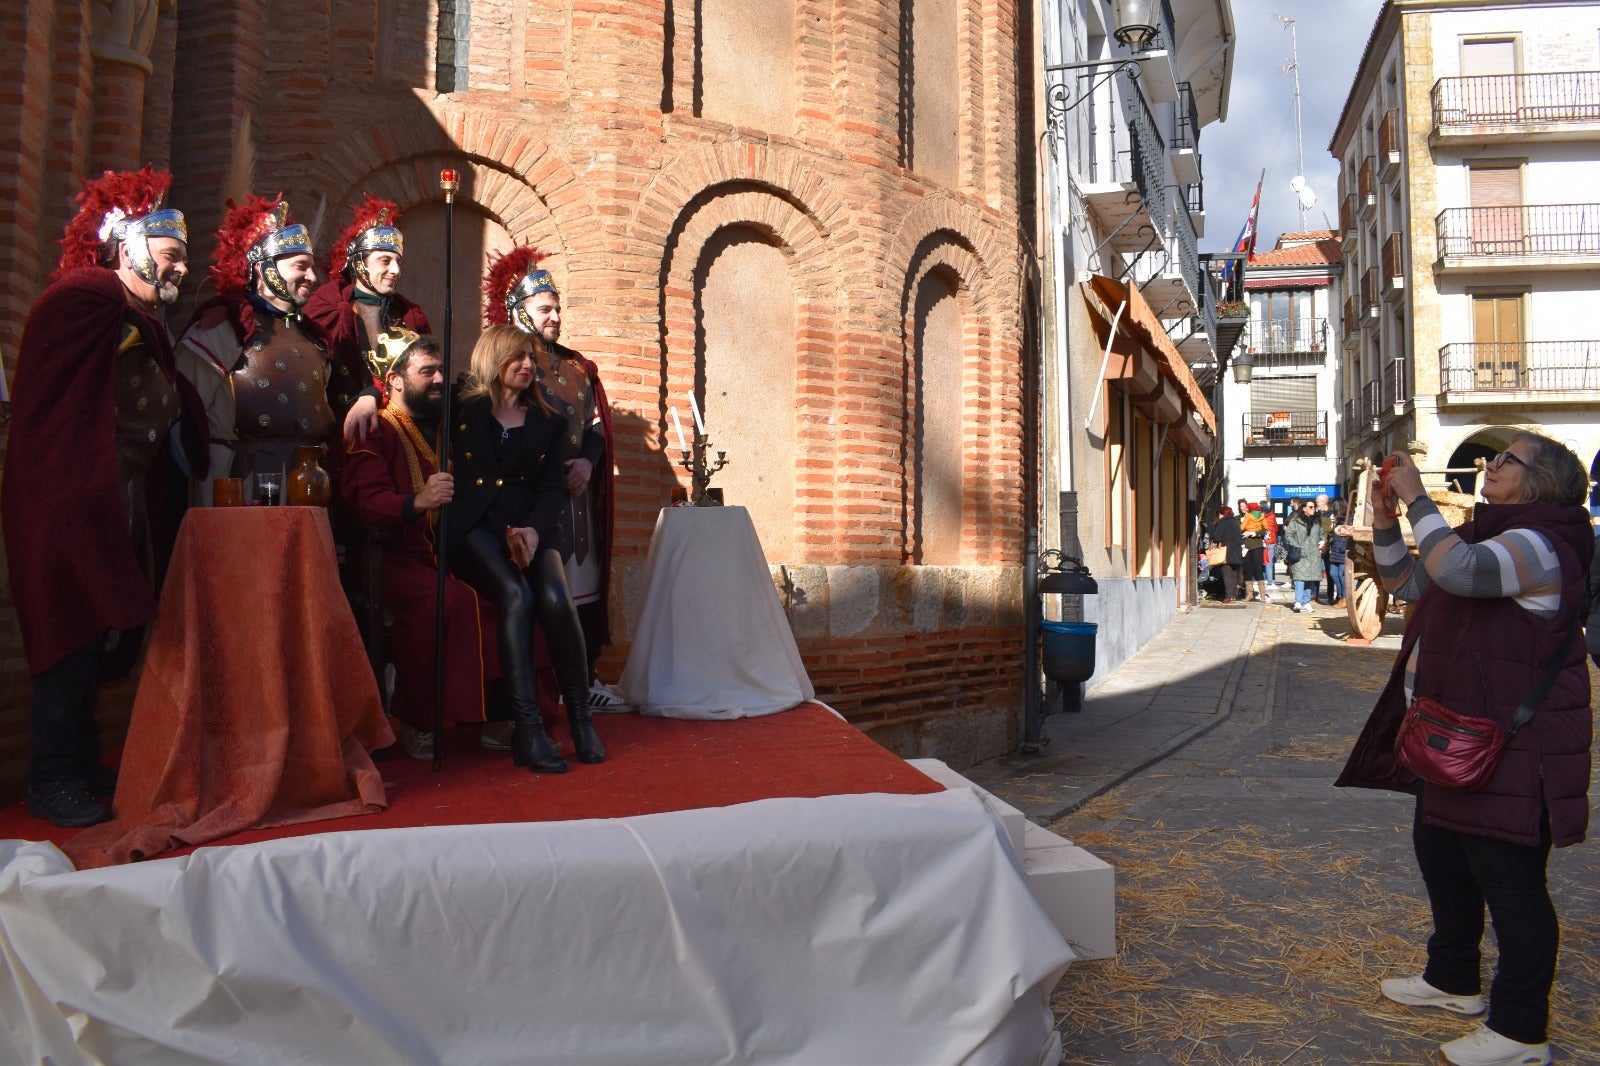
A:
(519, 551)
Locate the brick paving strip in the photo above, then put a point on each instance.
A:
(1258, 906)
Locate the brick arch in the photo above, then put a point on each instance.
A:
(799, 235)
(689, 176)
(507, 174)
(961, 223)
(945, 252)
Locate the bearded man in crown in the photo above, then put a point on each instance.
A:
(392, 480)
(92, 493)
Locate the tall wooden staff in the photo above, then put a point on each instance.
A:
(449, 182)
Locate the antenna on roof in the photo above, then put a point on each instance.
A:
(1293, 66)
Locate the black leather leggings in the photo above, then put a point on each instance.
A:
(520, 595)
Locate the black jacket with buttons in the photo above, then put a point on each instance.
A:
(525, 483)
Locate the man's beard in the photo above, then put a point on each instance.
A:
(167, 291)
(425, 404)
(550, 334)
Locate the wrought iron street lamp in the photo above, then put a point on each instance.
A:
(1134, 21)
(1244, 366)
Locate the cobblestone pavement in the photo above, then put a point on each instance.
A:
(1258, 906)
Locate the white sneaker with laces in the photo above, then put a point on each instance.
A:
(606, 700)
(1415, 992)
(1485, 1047)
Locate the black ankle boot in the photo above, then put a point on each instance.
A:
(584, 739)
(531, 747)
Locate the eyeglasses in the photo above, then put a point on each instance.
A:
(1500, 460)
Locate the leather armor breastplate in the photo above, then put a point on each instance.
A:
(281, 398)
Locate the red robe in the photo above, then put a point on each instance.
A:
(376, 480)
(332, 308)
(74, 571)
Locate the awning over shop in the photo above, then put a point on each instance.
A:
(1146, 366)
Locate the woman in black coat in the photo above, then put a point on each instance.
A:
(510, 483)
(1226, 531)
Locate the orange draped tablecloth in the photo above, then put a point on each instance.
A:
(256, 706)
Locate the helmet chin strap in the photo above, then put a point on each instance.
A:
(275, 283)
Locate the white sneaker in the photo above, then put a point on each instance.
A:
(417, 744)
(1485, 1047)
(606, 700)
(1415, 992)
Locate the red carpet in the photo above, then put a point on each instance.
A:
(653, 765)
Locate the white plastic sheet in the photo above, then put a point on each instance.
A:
(848, 929)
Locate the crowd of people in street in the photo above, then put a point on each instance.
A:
(292, 353)
(1245, 547)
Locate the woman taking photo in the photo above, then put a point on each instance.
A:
(1302, 541)
(1496, 606)
(510, 484)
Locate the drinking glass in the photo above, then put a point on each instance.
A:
(269, 489)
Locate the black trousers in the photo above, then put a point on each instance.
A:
(63, 742)
(521, 597)
(1465, 873)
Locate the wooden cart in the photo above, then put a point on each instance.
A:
(1366, 600)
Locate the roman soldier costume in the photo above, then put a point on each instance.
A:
(348, 309)
(270, 382)
(571, 385)
(92, 496)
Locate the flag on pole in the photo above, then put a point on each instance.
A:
(1247, 236)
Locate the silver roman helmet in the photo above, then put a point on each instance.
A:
(278, 241)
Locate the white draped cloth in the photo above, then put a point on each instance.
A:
(712, 639)
(847, 929)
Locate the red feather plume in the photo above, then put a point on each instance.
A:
(504, 272)
(365, 217)
(242, 225)
(134, 192)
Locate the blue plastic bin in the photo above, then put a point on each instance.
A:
(1069, 650)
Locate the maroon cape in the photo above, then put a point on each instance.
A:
(330, 307)
(74, 571)
(602, 492)
(375, 481)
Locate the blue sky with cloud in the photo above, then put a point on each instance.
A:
(1259, 131)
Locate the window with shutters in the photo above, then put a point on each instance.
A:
(1496, 197)
(1497, 341)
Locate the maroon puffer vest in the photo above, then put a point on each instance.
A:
(1482, 657)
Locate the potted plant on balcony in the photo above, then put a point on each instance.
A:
(1234, 309)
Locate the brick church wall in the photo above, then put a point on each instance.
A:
(578, 128)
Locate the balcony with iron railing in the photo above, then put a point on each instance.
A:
(1287, 341)
(1351, 426)
(1509, 371)
(1557, 105)
(1124, 164)
(1369, 296)
(1352, 323)
(1347, 216)
(1394, 267)
(1396, 387)
(1524, 237)
(1372, 402)
(1184, 147)
(1285, 429)
(1367, 184)
(1389, 143)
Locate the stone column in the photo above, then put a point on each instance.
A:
(121, 35)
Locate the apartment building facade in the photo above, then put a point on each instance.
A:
(1282, 425)
(1469, 149)
(1131, 333)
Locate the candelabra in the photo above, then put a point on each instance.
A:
(701, 468)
